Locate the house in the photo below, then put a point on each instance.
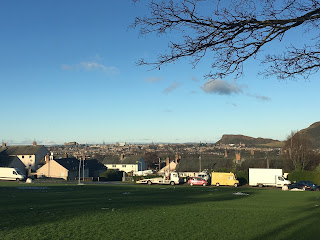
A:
(168, 168)
(65, 168)
(95, 167)
(68, 168)
(11, 161)
(29, 155)
(127, 164)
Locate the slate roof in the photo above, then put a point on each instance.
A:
(131, 160)
(110, 159)
(93, 164)
(22, 150)
(5, 160)
(126, 160)
(71, 164)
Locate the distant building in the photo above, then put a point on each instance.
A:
(71, 144)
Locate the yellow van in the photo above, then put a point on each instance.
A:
(222, 178)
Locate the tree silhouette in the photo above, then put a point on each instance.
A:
(235, 31)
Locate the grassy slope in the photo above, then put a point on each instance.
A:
(155, 212)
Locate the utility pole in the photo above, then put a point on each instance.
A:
(83, 169)
(200, 157)
(79, 172)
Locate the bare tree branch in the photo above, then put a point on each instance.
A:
(233, 33)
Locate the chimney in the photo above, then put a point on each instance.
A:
(34, 143)
(225, 153)
(121, 157)
(176, 159)
(238, 157)
(51, 156)
(167, 161)
(46, 158)
(4, 144)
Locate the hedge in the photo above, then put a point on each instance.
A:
(313, 176)
(112, 175)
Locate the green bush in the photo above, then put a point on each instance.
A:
(112, 175)
(242, 176)
(313, 176)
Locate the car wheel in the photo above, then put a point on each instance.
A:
(204, 184)
(235, 185)
(191, 184)
(149, 182)
(217, 184)
(260, 185)
(172, 183)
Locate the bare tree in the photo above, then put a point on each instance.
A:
(298, 151)
(233, 32)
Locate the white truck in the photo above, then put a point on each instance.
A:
(172, 178)
(267, 177)
(7, 173)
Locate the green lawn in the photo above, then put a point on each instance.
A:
(66, 211)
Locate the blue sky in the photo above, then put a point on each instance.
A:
(68, 73)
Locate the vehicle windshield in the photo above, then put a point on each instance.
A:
(18, 171)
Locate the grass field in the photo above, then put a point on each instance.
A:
(66, 211)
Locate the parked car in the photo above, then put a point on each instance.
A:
(310, 185)
(296, 186)
(301, 185)
(197, 181)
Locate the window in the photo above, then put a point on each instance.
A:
(114, 166)
(123, 165)
(22, 156)
(30, 156)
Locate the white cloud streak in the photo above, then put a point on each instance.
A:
(153, 79)
(259, 97)
(221, 87)
(171, 88)
(92, 66)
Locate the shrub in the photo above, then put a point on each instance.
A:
(112, 175)
(242, 176)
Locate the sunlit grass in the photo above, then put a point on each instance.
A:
(65, 211)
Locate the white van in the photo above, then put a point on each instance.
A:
(7, 173)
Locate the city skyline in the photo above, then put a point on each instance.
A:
(69, 73)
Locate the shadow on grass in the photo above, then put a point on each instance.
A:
(31, 205)
(305, 224)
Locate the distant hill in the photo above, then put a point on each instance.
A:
(313, 131)
(248, 141)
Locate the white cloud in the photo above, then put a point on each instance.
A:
(171, 88)
(153, 79)
(259, 97)
(195, 79)
(221, 87)
(92, 66)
